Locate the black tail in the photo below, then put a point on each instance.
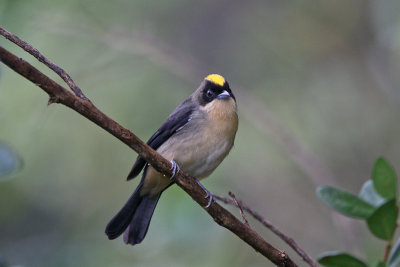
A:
(134, 218)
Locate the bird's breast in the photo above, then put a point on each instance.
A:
(199, 146)
(202, 145)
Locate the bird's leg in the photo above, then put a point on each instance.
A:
(208, 194)
(175, 169)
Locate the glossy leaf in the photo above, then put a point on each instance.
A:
(369, 194)
(340, 259)
(394, 257)
(384, 178)
(382, 222)
(345, 202)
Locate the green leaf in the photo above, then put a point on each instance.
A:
(340, 259)
(384, 178)
(381, 264)
(369, 194)
(345, 202)
(382, 222)
(394, 256)
(9, 160)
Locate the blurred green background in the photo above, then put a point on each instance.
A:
(317, 84)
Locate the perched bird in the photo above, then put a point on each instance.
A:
(196, 137)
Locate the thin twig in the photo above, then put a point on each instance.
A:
(387, 251)
(237, 204)
(59, 94)
(34, 52)
(270, 226)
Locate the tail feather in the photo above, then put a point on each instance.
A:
(133, 219)
(121, 220)
(140, 222)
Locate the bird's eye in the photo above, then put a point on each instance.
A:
(210, 93)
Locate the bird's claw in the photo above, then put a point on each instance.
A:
(210, 200)
(208, 194)
(175, 169)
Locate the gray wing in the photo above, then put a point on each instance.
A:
(174, 123)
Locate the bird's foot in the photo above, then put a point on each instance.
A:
(208, 194)
(175, 169)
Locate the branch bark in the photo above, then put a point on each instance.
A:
(34, 52)
(242, 206)
(86, 108)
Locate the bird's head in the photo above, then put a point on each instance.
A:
(214, 88)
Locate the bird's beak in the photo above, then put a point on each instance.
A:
(223, 95)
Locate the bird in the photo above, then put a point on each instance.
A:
(196, 137)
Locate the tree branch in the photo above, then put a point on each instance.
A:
(83, 106)
(34, 52)
(270, 226)
(237, 204)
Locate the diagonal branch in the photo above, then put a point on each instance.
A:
(34, 52)
(238, 205)
(59, 94)
(270, 226)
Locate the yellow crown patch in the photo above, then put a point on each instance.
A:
(216, 78)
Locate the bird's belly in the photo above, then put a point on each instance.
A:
(198, 149)
(199, 159)
(196, 156)
(202, 160)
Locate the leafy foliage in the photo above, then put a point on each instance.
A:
(345, 202)
(384, 179)
(382, 222)
(340, 259)
(369, 194)
(376, 204)
(394, 257)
